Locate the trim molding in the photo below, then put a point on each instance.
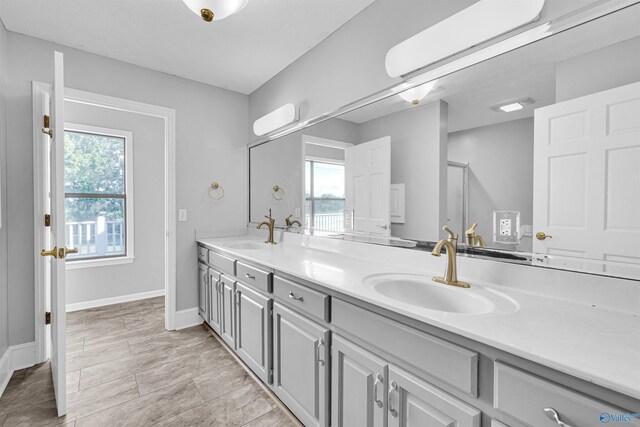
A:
(113, 300)
(14, 358)
(187, 318)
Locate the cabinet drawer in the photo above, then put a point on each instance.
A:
(255, 277)
(203, 253)
(441, 359)
(303, 298)
(222, 263)
(525, 396)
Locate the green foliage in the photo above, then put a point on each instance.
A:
(94, 164)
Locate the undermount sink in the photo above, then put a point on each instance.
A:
(423, 292)
(246, 245)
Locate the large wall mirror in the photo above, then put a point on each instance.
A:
(533, 155)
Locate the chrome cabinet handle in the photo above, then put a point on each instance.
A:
(392, 386)
(320, 344)
(250, 276)
(221, 287)
(379, 380)
(553, 416)
(236, 296)
(218, 286)
(293, 296)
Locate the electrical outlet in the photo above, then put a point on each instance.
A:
(505, 227)
(182, 215)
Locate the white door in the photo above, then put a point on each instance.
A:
(587, 179)
(368, 184)
(58, 252)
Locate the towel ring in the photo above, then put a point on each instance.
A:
(212, 191)
(276, 190)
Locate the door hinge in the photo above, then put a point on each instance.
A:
(45, 121)
(47, 220)
(47, 318)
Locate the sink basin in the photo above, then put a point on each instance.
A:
(246, 245)
(422, 292)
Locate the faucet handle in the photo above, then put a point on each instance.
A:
(472, 230)
(452, 235)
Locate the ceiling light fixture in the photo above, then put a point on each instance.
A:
(418, 93)
(472, 26)
(215, 9)
(513, 105)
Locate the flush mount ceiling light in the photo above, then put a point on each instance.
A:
(416, 94)
(510, 106)
(276, 119)
(476, 24)
(215, 9)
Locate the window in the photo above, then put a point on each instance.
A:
(324, 190)
(98, 193)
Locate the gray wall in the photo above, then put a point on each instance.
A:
(4, 291)
(500, 161)
(280, 162)
(212, 132)
(146, 273)
(418, 159)
(602, 69)
(349, 64)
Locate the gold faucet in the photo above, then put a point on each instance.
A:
(473, 238)
(291, 222)
(270, 224)
(451, 273)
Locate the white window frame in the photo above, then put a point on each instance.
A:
(129, 211)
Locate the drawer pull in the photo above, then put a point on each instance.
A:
(236, 297)
(320, 344)
(250, 276)
(392, 386)
(221, 287)
(295, 297)
(553, 416)
(379, 380)
(218, 286)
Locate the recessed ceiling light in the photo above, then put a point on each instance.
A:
(514, 105)
(511, 107)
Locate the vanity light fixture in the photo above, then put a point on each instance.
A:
(418, 93)
(513, 105)
(476, 24)
(276, 119)
(215, 9)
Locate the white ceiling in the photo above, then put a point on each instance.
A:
(239, 53)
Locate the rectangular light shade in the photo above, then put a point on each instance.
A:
(511, 107)
(476, 24)
(276, 119)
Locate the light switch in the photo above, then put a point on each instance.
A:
(182, 215)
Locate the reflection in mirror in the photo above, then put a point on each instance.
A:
(535, 151)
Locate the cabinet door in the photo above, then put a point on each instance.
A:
(202, 290)
(227, 300)
(253, 330)
(413, 402)
(301, 366)
(214, 300)
(358, 386)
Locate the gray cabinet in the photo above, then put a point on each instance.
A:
(227, 305)
(358, 386)
(301, 365)
(253, 330)
(214, 300)
(412, 402)
(203, 281)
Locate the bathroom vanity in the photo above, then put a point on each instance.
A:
(326, 326)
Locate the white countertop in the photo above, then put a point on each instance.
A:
(599, 345)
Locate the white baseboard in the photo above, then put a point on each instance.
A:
(14, 358)
(113, 300)
(186, 318)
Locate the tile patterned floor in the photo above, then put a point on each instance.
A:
(124, 369)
